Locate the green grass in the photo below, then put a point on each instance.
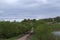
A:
(14, 38)
(33, 37)
(43, 31)
(11, 29)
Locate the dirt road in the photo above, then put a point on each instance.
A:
(26, 37)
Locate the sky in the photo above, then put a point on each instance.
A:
(25, 9)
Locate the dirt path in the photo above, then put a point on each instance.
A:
(27, 36)
(24, 37)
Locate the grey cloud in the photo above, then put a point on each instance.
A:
(31, 9)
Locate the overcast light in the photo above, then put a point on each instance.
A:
(33, 9)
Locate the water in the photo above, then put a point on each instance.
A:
(57, 33)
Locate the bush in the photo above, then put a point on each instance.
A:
(10, 29)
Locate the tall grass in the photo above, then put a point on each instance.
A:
(11, 29)
(43, 31)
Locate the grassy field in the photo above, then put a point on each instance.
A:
(42, 29)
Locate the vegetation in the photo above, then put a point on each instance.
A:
(42, 28)
(11, 29)
(45, 27)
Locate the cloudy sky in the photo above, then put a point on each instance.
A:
(34, 9)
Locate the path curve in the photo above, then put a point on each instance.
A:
(27, 36)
